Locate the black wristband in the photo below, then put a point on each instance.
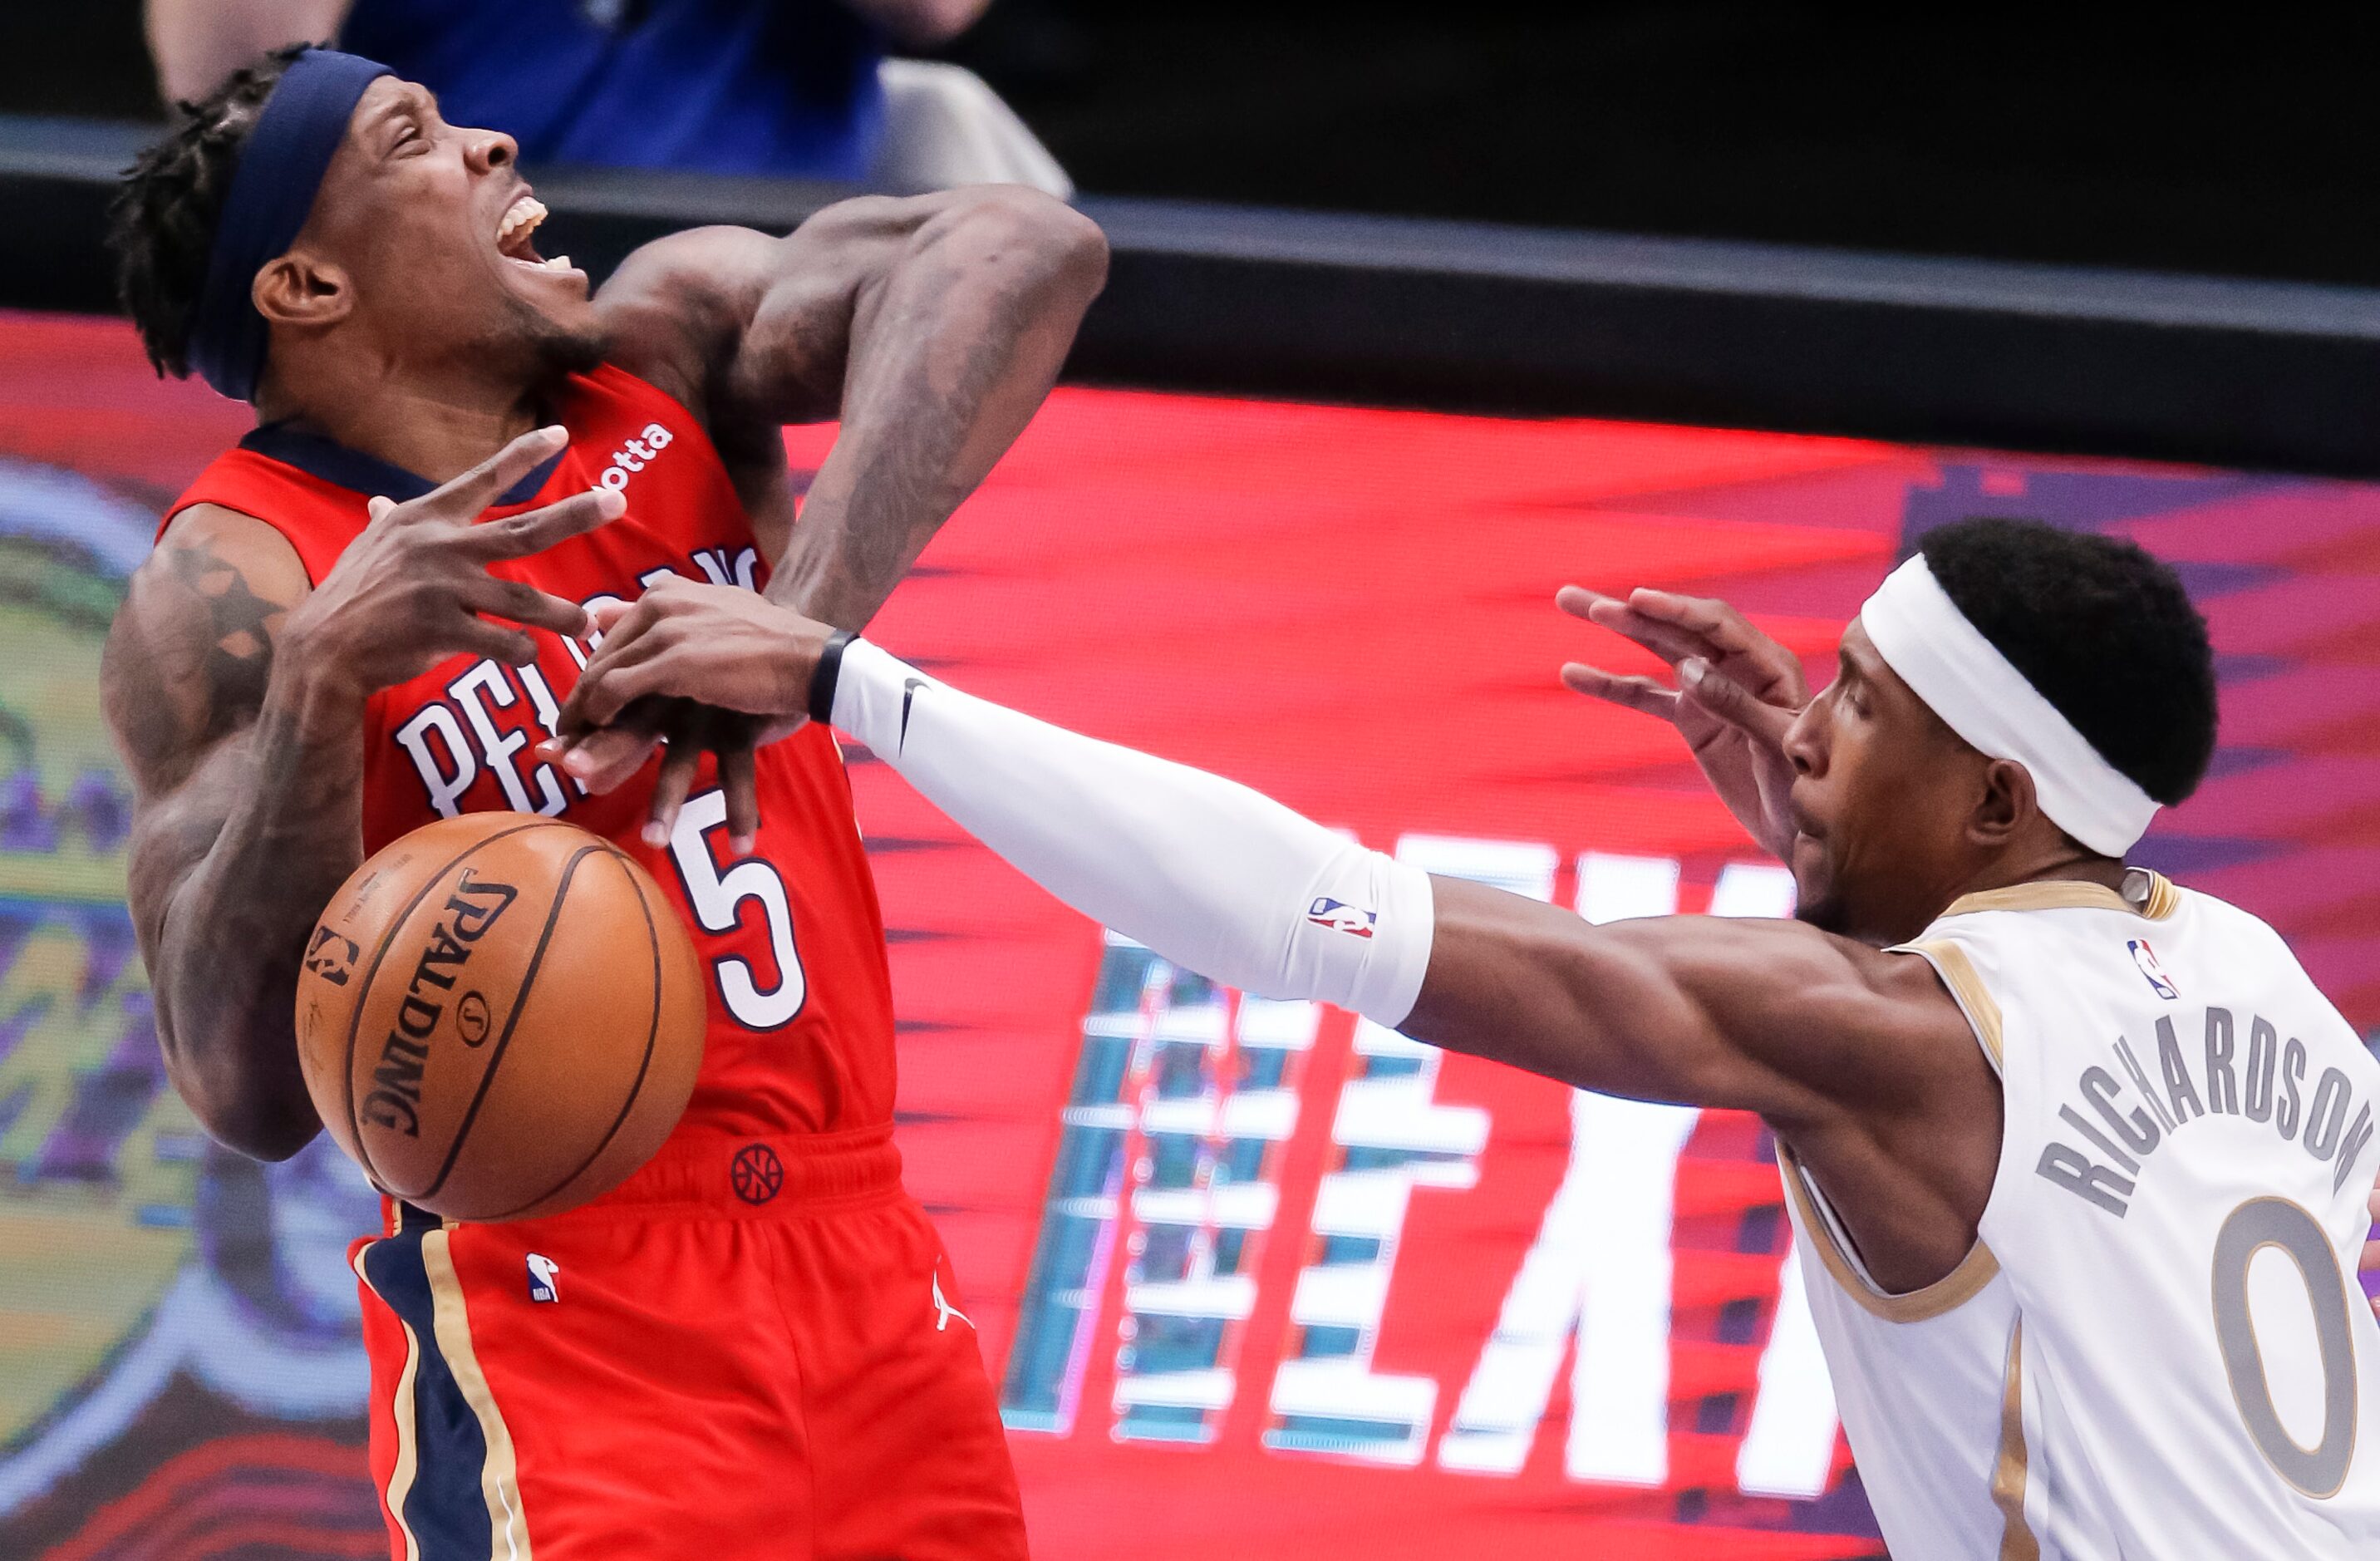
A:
(823, 680)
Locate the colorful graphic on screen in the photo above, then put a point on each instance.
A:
(1253, 1278)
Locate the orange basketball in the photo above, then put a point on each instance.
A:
(499, 1015)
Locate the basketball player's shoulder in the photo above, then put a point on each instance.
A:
(2216, 910)
(189, 651)
(223, 556)
(267, 509)
(2227, 926)
(221, 527)
(2055, 913)
(259, 485)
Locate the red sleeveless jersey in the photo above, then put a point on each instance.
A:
(800, 1034)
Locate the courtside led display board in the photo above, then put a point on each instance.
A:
(1252, 1280)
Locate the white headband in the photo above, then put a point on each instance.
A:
(1962, 678)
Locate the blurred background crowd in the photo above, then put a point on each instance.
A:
(2014, 132)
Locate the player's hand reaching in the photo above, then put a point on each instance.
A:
(712, 668)
(414, 589)
(1738, 692)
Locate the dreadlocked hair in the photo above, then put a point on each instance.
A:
(161, 225)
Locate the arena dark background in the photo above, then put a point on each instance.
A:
(2242, 145)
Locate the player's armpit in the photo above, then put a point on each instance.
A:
(932, 326)
(1771, 1016)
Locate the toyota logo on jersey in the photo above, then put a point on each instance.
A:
(633, 455)
(1339, 916)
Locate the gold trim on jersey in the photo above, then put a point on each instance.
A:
(1948, 1293)
(1958, 973)
(2062, 894)
(499, 1475)
(2016, 1541)
(400, 1477)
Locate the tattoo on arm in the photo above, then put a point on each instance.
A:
(247, 819)
(204, 651)
(867, 524)
(932, 325)
(955, 340)
(242, 622)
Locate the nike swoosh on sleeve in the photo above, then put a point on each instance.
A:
(908, 692)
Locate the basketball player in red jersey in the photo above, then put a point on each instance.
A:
(364, 618)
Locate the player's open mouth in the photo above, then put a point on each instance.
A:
(512, 235)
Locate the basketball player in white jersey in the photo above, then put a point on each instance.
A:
(2077, 1158)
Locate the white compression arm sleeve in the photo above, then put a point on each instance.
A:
(1206, 872)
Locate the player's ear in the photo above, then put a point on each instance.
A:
(2004, 806)
(302, 288)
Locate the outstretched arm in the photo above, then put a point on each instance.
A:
(932, 326)
(1769, 1017)
(1862, 1060)
(1765, 1015)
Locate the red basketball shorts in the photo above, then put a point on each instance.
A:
(752, 1348)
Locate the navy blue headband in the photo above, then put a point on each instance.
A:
(280, 170)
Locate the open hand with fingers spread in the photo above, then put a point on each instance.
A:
(1738, 692)
(713, 668)
(415, 587)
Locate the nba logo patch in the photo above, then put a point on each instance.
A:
(332, 956)
(1340, 917)
(2146, 958)
(541, 1270)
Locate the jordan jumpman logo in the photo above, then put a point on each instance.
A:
(945, 1310)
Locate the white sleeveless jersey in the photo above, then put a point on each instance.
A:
(2158, 1349)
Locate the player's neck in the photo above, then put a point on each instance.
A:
(435, 430)
(2062, 865)
(1894, 914)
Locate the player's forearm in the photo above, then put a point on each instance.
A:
(1213, 876)
(228, 934)
(1767, 1016)
(953, 344)
(1233, 885)
(1209, 873)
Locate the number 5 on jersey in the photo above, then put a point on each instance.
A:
(716, 898)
